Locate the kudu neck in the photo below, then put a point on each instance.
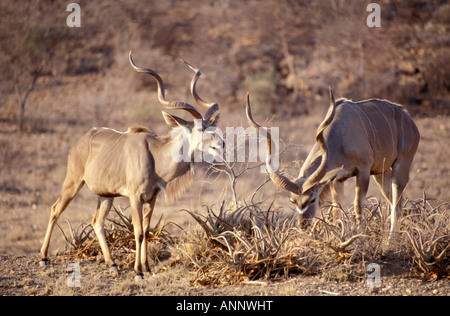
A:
(173, 160)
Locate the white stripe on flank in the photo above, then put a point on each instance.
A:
(390, 127)
(362, 122)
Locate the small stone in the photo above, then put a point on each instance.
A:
(435, 291)
(138, 278)
(113, 271)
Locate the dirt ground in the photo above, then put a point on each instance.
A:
(22, 275)
(85, 80)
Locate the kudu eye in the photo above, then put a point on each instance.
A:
(292, 200)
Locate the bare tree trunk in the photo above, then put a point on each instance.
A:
(22, 102)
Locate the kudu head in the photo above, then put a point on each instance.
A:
(199, 135)
(305, 191)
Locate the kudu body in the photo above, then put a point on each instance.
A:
(356, 139)
(136, 164)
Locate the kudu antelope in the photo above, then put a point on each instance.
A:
(136, 164)
(356, 139)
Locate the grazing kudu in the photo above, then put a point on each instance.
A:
(136, 164)
(356, 139)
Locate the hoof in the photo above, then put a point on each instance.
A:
(43, 263)
(113, 271)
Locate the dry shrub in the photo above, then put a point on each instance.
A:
(422, 240)
(79, 244)
(351, 243)
(252, 243)
(426, 228)
(119, 232)
(245, 245)
(256, 242)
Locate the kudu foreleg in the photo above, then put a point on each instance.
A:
(400, 178)
(362, 186)
(148, 211)
(337, 195)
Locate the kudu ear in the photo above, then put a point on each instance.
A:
(332, 100)
(215, 121)
(330, 175)
(173, 121)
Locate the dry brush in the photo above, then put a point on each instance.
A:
(258, 243)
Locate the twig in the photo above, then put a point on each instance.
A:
(329, 292)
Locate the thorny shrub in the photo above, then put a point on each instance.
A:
(246, 244)
(426, 228)
(119, 233)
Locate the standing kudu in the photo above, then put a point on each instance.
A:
(356, 139)
(136, 164)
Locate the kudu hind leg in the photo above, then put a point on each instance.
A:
(103, 208)
(68, 192)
